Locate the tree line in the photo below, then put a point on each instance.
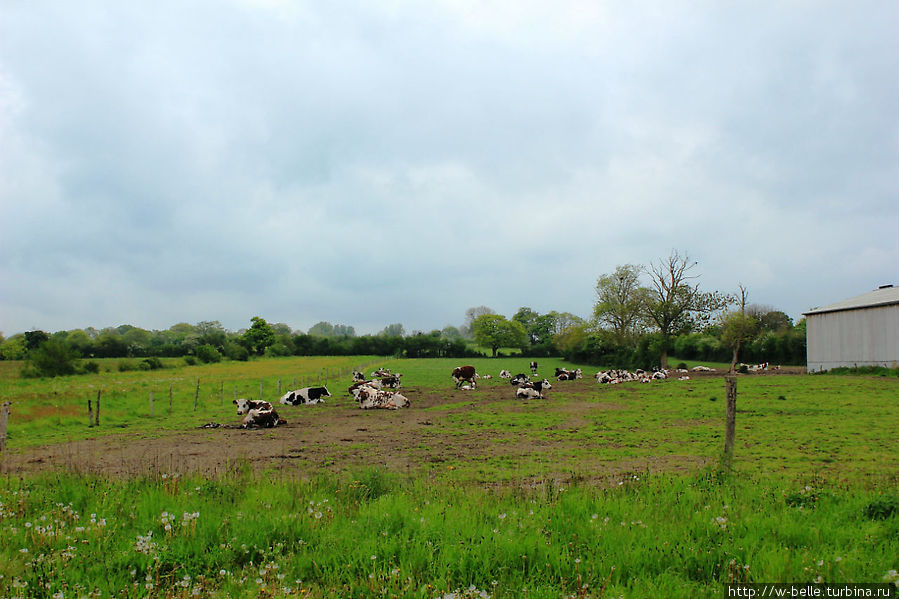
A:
(641, 315)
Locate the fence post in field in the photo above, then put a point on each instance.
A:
(170, 398)
(260, 389)
(4, 418)
(197, 395)
(97, 417)
(235, 393)
(90, 414)
(279, 386)
(730, 414)
(151, 404)
(294, 382)
(222, 393)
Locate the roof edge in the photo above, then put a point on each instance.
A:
(848, 308)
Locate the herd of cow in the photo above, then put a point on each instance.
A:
(381, 390)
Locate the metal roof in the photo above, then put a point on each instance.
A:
(882, 296)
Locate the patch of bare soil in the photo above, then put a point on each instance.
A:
(337, 436)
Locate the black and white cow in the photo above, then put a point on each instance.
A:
(305, 396)
(505, 374)
(371, 398)
(463, 374)
(534, 368)
(358, 376)
(528, 393)
(540, 386)
(519, 379)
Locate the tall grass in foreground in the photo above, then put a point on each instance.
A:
(376, 534)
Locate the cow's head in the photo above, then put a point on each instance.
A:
(243, 405)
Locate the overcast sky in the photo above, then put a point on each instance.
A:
(366, 163)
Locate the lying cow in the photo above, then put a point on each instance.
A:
(540, 386)
(257, 413)
(353, 389)
(464, 374)
(519, 379)
(306, 396)
(563, 374)
(358, 376)
(370, 398)
(392, 381)
(505, 374)
(380, 372)
(528, 393)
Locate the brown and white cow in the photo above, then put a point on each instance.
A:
(463, 374)
(257, 413)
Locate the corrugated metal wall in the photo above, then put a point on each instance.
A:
(863, 337)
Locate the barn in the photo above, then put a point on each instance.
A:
(860, 331)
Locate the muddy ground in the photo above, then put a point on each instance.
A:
(337, 436)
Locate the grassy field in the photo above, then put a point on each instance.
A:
(599, 491)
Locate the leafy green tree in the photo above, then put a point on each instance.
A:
(34, 339)
(322, 329)
(80, 343)
(737, 327)
(393, 330)
(494, 331)
(619, 298)
(258, 337)
(674, 303)
(450, 332)
(13, 348)
(342, 330)
(211, 332)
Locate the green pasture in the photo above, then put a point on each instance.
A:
(56, 409)
(596, 491)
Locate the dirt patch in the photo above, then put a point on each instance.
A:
(337, 436)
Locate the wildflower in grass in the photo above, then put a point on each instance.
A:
(502, 516)
(892, 577)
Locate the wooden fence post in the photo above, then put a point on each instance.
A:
(279, 387)
(170, 398)
(197, 395)
(222, 394)
(4, 418)
(90, 414)
(730, 414)
(151, 404)
(97, 417)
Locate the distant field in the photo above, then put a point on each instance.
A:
(596, 491)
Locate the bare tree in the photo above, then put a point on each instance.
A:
(674, 302)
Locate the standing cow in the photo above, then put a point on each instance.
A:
(534, 368)
(463, 374)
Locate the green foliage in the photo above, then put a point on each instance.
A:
(52, 358)
(208, 354)
(258, 337)
(13, 348)
(882, 508)
(494, 331)
(151, 363)
(128, 366)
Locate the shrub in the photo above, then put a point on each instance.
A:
(237, 352)
(51, 358)
(208, 354)
(90, 367)
(151, 363)
(190, 360)
(127, 365)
